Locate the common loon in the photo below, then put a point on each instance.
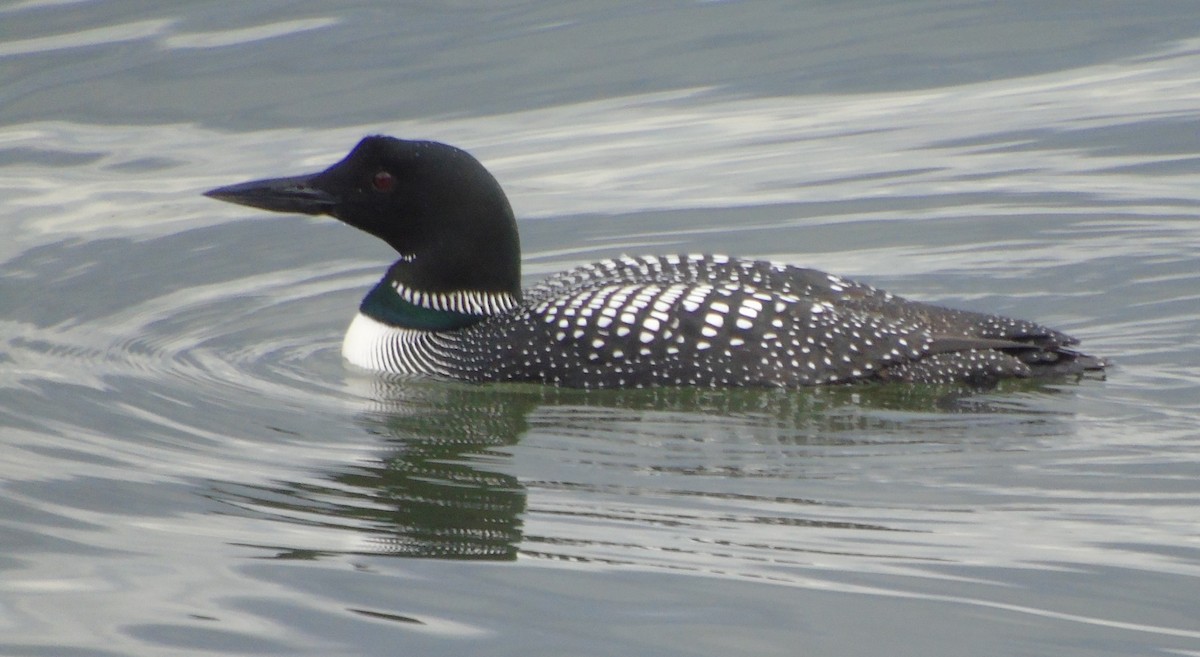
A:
(452, 304)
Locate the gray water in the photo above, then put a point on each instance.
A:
(188, 467)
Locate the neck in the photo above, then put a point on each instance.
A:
(396, 304)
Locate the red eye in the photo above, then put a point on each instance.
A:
(383, 181)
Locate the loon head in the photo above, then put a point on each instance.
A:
(435, 204)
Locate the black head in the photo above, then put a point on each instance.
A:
(435, 204)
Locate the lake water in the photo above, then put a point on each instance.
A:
(188, 467)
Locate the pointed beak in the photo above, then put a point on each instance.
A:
(296, 194)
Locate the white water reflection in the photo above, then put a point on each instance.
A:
(225, 38)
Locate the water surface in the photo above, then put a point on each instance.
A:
(189, 468)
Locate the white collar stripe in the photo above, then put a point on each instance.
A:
(468, 302)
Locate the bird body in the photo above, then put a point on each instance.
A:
(452, 306)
